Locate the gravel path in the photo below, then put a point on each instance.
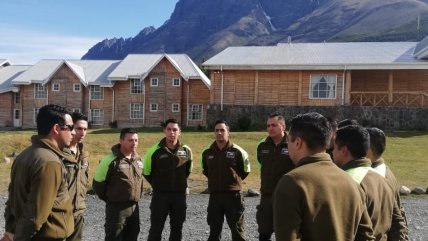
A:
(196, 228)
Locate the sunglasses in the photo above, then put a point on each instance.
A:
(67, 127)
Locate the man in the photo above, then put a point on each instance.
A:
(350, 150)
(77, 173)
(309, 201)
(39, 206)
(118, 181)
(225, 164)
(167, 165)
(399, 230)
(272, 154)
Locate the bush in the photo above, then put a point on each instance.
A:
(244, 123)
(113, 124)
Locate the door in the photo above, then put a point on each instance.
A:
(16, 118)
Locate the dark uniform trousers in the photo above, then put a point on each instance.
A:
(264, 217)
(164, 203)
(122, 221)
(77, 234)
(231, 205)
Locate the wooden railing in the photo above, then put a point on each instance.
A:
(380, 98)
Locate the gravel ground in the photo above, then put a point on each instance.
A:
(196, 228)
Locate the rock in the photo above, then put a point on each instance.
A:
(252, 193)
(419, 190)
(404, 190)
(6, 160)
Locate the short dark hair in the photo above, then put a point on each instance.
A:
(222, 122)
(347, 122)
(280, 117)
(77, 116)
(313, 128)
(48, 116)
(171, 120)
(125, 131)
(356, 138)
(377, 141)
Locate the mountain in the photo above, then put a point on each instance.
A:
(202, 28)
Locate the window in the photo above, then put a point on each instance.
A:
(153, 107)
(16, 114)
(40, 91)
(97, 117)
(176, 82)
(96, 92)
(55, 87)
(137, 111)
(175, 107)
(195, 112)
(17, 98)
(323, 87)
(136, 86)
(36, 111)
(76, 87)
(77, 110)
(154, 82)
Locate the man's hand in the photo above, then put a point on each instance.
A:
(7, 237)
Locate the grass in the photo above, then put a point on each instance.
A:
(406, 154)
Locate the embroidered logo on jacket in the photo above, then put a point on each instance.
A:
(181, 153)
(284, 151)
(140, 164)
(163, 156)
(265, 151)
(230, 154)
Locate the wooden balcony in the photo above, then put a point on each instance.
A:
(397, 99)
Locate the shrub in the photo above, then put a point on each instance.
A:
(244, 123)
(113, 124)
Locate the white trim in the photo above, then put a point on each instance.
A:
(74, 87)
(35, 91)
(54, 85)
(172, 107)
(140, 109)
(77, 110)
(201, 111)
(173, 82)
(157, 82)
(311, 85)
(101, 92)
(154, 105)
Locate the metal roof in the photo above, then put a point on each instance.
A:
(139, 66)
(351, 55)
(421, 49)
(7, 74)
(88, 71)
(4, 62)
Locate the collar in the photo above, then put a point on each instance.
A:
(360, 162)
(318, 157)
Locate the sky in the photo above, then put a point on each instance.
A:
(31, 30)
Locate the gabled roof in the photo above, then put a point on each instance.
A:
(7, 74)
(139, 66)
(88, 71)
(4, 62)
(353, 55)
(421, 49)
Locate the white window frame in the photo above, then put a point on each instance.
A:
(195, 112)
(76, 110)
(136, 86)
(77, 87)
(155, 109)
(99, 114)
(136, 111)
(179, 82)
(40, 91)
(56, 87)
(330, 84)
(154, 84)
(16, 111)
(175, 105)
(92, 92)
(17, 98)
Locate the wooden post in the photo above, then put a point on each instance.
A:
(390, 86)
(299, 91)
(348, 83)
(256, 88)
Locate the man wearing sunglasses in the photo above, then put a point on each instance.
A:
(39, 206)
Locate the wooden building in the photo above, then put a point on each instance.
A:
(321, 74)
(141, 90)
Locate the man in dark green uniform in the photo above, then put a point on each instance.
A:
(350, 150)
(225, 164)
(272, 155)
(77, 173)
(317, 200)
(167, 165)
(399, 229)
(118, 181)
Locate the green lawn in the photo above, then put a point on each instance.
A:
(406, 154)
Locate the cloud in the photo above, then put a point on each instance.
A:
(23, 46)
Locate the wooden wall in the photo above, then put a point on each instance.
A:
(6, 108)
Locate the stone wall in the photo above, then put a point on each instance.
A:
(383, 117)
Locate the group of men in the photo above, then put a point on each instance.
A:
(304, 194)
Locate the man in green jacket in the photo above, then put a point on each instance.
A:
(272, 155)
(77, 173)
(317, 201)
(118, 181)
(39, 206)
(350, 150)
(399, 229)
(167, 165)
(226, 165)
